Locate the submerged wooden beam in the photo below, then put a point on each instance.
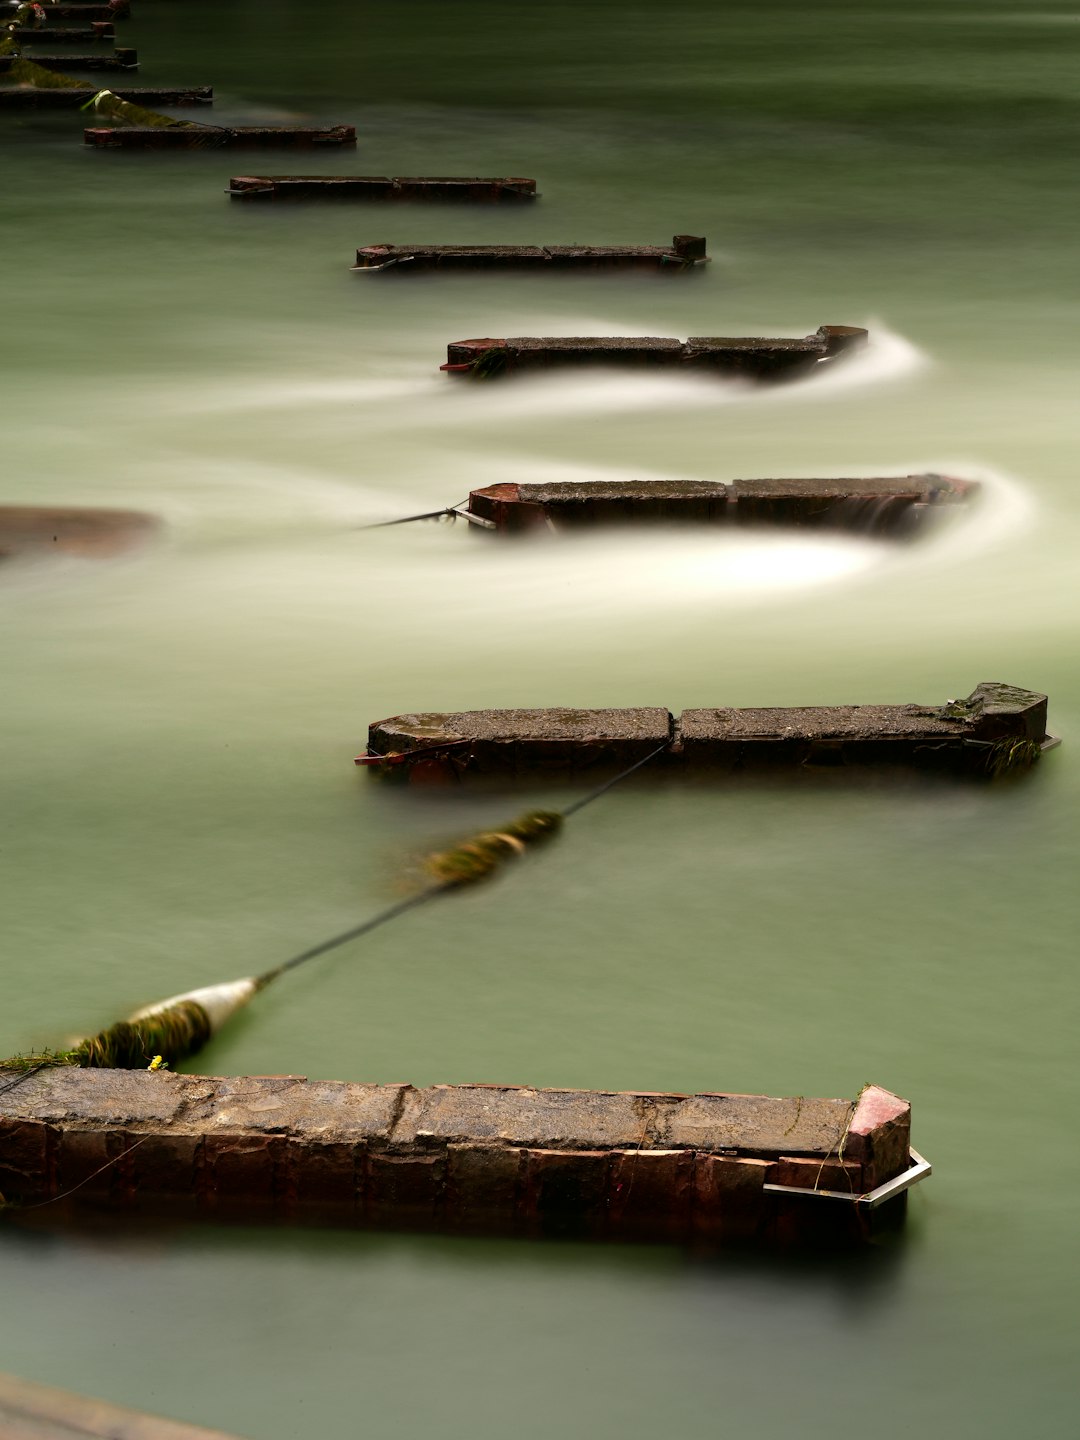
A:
(112, 10)
(153, 137)
(29, 1411)
(886, 505)
(491, 1159)
(67, 34)
(684, 252)
(121, 59)
(30, 98)
(997, 728)
(35, 530)
(380, 187)
(747, 357)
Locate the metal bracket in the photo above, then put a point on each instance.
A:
(472, 519)
(918, 1170)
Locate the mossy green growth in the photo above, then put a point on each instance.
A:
(174, 1034)
(490, 363)
(476, 859)
(1010, 756)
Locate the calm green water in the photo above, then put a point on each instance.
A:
(179, 800)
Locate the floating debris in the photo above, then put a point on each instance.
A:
(749, 357)
(380, 187)
(685, 253)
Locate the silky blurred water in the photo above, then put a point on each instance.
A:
(180, 804)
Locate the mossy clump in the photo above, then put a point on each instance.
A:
(476, 859)
(1011, 756)
(175, 1034)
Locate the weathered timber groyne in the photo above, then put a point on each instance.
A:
(885, 505)
(121, 59)
(35, 530)
(488, 1159)
(745, 357)
(997, 728)
(380, 187)
(234, 137)
(67, 34)
(684, 253)
(70, 97)
(80, 10)
(29, 1411)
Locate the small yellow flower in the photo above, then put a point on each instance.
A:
(158, 1063)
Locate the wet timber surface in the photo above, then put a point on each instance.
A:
(444, 189)
(482, 1158)
(887, 505)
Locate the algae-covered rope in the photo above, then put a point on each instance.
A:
(469, 862)
(177, 1028)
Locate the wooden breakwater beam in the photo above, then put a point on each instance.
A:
(746, 357)
(885, 505)
(66, 34)
(480, 1159)
(29, 1411)
(28, 531)
(998, 728)
(122, 58)
(30, 98)
(381, 187)
(112, 10)
(201, 137)
(685, 252)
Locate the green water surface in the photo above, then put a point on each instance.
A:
(179, 802)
